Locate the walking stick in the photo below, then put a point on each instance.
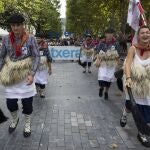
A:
(137, 116)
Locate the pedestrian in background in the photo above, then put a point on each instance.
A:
(44, 68)
(87, 50)
(107, 56)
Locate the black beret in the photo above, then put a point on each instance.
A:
(88, 35)
(109, 30)
(16, 18)
(40, 35)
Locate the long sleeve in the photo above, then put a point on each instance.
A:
(117, 47)
(47, 52)
(35, 56)
(3, 53)
(99, 47)
(49, 58)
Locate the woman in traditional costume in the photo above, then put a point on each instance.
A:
(106, 60)
(87, 51)
(44, 68)
(19, 59)
(137, 76)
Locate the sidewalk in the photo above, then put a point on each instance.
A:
(72, 116)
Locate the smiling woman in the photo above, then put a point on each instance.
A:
(137, 76)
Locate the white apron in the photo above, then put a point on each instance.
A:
(85, 58)
(41, 76)
(106, 72)
(20, 90)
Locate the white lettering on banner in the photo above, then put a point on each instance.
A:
(64, 52)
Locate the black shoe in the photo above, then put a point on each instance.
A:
(42, 96)
(106, 96)
(3, 119)
(84, 71)
(143, 139)
(89, 71)
(12, 128)
(123, 121)
(101, 92)
(26, 134)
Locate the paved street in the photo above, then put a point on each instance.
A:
(72, 116)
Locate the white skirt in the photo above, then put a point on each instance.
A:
(41, 76)
(106, 73)
(84, 58)
(20, 90)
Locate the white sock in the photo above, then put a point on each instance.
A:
(124, 112)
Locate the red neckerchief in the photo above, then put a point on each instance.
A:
(17, 47)
(142, 49)
(88, 43)
(110, 42)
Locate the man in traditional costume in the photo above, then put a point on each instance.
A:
(106, 61)
(137, 76)
(44, 69)
(19, 59)
(87, 51)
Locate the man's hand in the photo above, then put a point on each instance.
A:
(30, 79)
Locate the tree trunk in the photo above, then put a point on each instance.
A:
(123, 12)
(38, 29)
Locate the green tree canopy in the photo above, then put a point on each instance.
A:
(43, 15)
(97, 15)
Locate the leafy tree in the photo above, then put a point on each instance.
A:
(95, 15)
(43, 15)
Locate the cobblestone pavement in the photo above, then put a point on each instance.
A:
(72, 116)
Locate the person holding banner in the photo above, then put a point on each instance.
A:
(106, 61)
(87, 51)
(137, 76)
(44, 68)
(19, 58)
